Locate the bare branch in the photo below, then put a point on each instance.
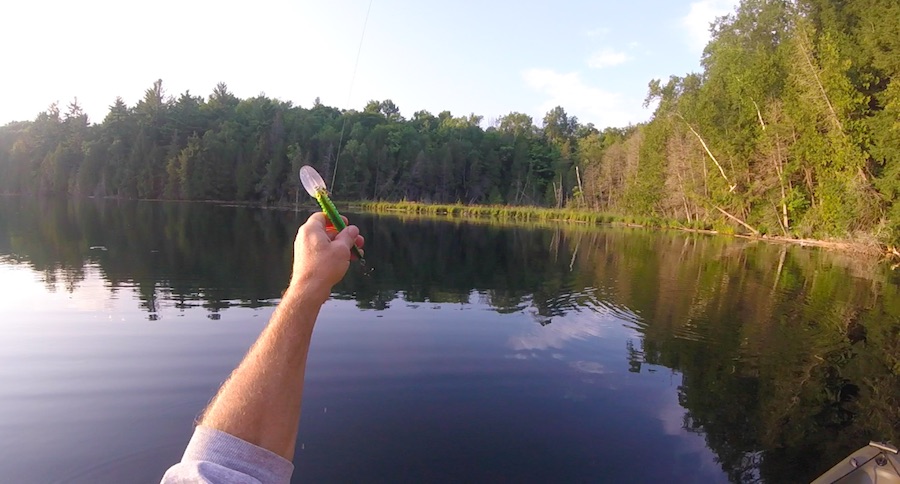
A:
(805, 50)
(759, 115)
(732, 217)
(708, 152)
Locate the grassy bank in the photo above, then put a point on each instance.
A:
(502, 212)
(520, 214)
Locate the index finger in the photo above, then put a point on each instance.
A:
(318, 219)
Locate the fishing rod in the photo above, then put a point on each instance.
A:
(350, 92)
(310, 178)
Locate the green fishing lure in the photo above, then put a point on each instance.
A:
(315, 186)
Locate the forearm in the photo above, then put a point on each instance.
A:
(260, 402)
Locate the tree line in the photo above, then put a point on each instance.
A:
(790, 129)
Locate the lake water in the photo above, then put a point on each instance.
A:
(469, 353)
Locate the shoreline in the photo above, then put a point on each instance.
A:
(540, 215)
(585, 218)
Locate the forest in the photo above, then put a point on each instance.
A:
(791, 129)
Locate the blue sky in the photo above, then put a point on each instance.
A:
(594, 58)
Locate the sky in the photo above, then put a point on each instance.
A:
(490, 58)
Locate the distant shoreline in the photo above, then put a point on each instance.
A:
(588, 218)
(529, 214)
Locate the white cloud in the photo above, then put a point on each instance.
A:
(607, 57)
(589, 367)
(575, 327)
(590, 104)
(699, 18)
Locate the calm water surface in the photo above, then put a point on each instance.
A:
(470, 353)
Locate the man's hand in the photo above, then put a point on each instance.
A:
(321, 256)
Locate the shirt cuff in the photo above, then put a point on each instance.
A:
(211, 445)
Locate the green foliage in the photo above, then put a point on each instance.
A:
(791, 128)
(786, 130)
(642, 192)
(226, 148)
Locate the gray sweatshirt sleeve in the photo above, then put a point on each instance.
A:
(213, 456)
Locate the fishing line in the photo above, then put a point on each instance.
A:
(349, 94)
